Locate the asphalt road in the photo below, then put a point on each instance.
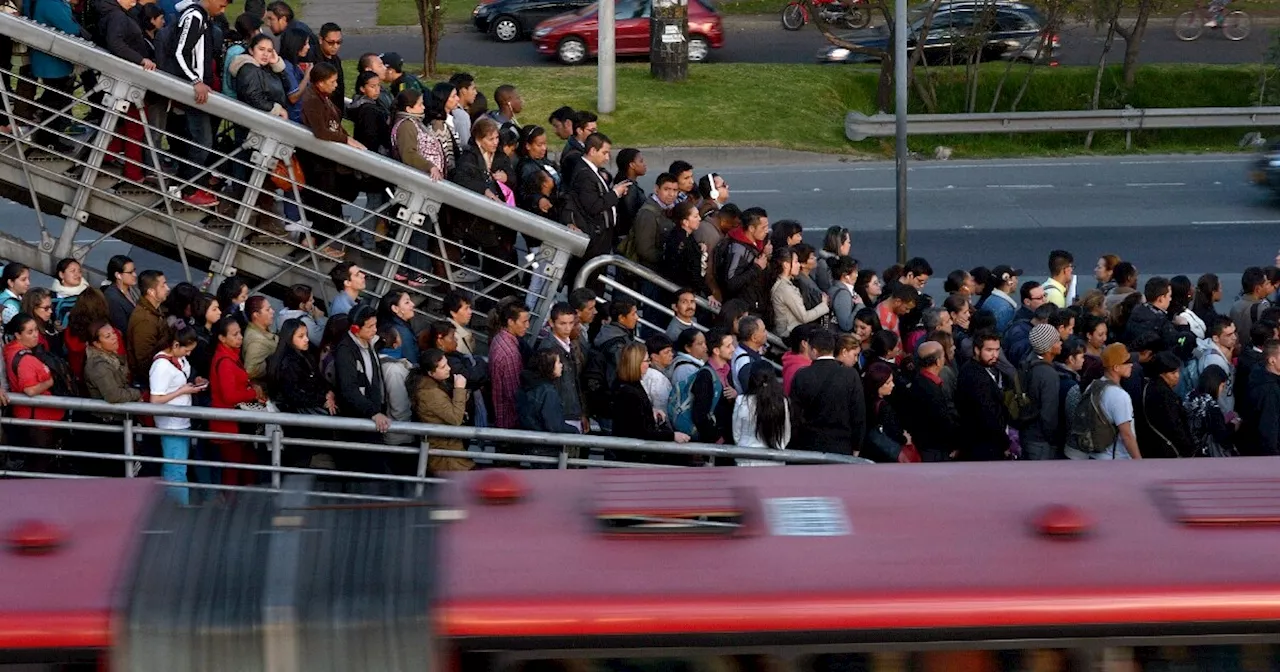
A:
(1169, 215)
(755, 41)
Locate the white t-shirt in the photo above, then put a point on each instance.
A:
(658, 387)
(1117, 408)
(166, 379)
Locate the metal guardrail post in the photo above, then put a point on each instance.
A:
(564, 458)
(128, 446)
(277, 447)
(266, 152)
(421, 471)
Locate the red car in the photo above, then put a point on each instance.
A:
(572, 37)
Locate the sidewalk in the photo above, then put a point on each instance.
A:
(355, 16)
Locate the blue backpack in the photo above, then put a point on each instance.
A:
(1189, 377)
(680, 405)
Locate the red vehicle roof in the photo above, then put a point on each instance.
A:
(928, 546)
(63, 599)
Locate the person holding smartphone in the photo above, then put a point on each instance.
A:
(171, 384)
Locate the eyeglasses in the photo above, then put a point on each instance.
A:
(333, 43)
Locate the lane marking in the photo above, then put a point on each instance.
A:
(1019, 186)
(757, 191)
(1241, 221)
(876, 189)
(1156, 184)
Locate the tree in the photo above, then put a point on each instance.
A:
(1133, 33)
(430, 19)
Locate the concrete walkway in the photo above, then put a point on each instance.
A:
(354, 16)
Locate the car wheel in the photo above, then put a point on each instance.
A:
(572, 51)
(699, 49)
(505, 29)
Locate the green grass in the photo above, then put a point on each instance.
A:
(803, 107)
(405, 12)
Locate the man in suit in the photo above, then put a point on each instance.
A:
(590, 204)
(933, 421)
(827, 398)
(582, 125)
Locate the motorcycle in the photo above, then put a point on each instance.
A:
(853, 14)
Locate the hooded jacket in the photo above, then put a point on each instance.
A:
(106, 377)
(359, 387)
(258, 346)
(612, 338)
(260, 87)
(737, 272)
(395, 375)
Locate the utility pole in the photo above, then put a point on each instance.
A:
(669, 40)
(900, 119)
(606, 83)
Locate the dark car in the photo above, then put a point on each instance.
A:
(572, 37)
(510, 20)
(1266, 168)
(1002, 30)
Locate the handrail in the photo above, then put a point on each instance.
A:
(859, 126)
(637, 269)
(493, 435)
(76, 50)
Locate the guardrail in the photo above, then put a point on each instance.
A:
(858, 126)
(555, 449)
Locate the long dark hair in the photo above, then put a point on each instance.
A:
(388, 301)
(1202, 303)
(1210, 380)
(90, 307)
(771, 404)
(292, 42)
(285, 345)
(1182, 295)
(429, 360)
(865, 276)
(429, 338)
(181, 303)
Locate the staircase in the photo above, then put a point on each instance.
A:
(82, 201)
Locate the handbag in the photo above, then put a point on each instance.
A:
(288, 173)
(883, 448)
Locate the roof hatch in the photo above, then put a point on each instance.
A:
(666, 502)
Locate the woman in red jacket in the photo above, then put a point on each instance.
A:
(91, 307)
(229, 386)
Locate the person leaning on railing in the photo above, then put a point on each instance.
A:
(441, 399)
(28, 371)
(106, 377)
(297, 386)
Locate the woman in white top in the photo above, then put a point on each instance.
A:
(788, 304)
(761, 418)
(171, 384)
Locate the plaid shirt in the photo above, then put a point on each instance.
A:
(505, 364)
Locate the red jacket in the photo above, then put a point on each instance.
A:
(228, 386)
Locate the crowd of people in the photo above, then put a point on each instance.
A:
(874, 366)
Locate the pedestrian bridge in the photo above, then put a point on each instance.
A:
(81, 199)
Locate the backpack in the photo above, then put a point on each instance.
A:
(1022, 412)
(64, 383)
(598, 375)
(1091, 431)
(166, 47)
(1189, 377)
(680, 405)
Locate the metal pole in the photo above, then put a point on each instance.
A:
(277, 447)
(128, 445)
(900, 117)
(606, 93)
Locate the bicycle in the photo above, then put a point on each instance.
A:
(1191, 24)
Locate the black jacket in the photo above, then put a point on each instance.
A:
(359, 391)
(628, 206)
(371, 125)
(831, 414)
(1260, 433)
(1147, 318)
(258, 87)
(588, 205)
(740, 278)
(1250, 360)
(682, 261)
(1016, 343)
(196, 47)
(120, 308)
(571, 159)
(122, 34)
(711, 423)
(983, 421)
(932, 420)
(471, 172)
(1162, 426)
(633, 414)
(296, 383)
(539, 405)
(569, 384)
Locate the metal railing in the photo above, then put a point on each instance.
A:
(82, 182)
(600, 264)
(858, 126)
(532, 448)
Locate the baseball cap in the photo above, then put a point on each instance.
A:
(1003, 272)
(393, 60)
(1114, 355)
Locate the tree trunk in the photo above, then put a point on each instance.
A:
(1133, 42)
(425, 24)
(669, 40)
(435, 19)
(1102, 65)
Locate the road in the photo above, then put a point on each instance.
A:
(1167, 214)
(754, 41)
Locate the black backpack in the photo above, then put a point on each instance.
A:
(64, 383)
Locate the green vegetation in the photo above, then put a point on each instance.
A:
(803, 106)
(405, 12)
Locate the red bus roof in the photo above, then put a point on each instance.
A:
(63, 599)
(926, 546)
